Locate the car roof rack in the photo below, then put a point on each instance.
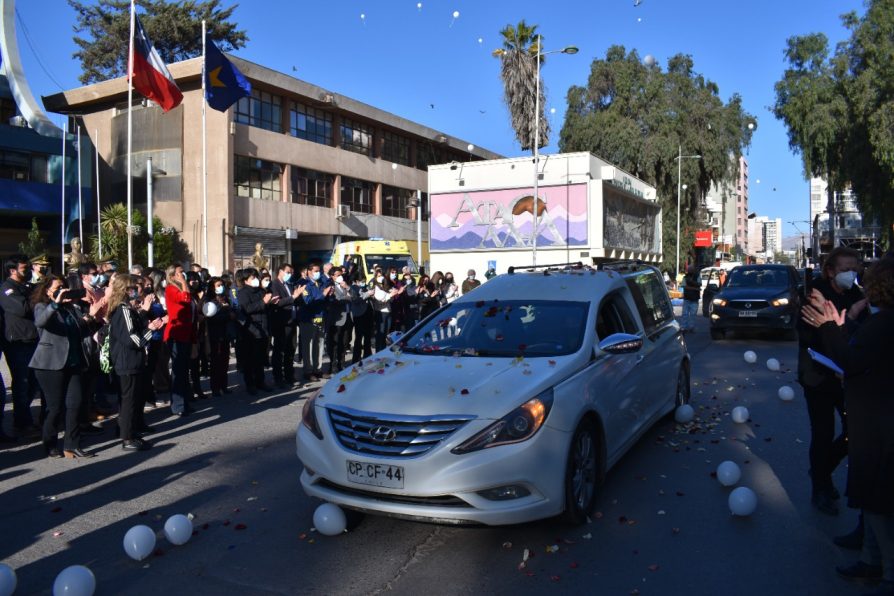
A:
(625, 266)
(550, 267)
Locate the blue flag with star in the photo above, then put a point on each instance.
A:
(224, 84)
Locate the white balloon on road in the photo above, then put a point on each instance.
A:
(728, 473)
(76, 580)
(742, 501)
(330, 520)
(740, 414)
(786, 393)
(139, 542)
(773, 364)
(750, 357)
(8, 580)
(684, 414)
(178, 529)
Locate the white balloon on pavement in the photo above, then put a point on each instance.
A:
(76, 580)
(750, 357)
(330, 520)
(728, 473)
(740, 414)
(8, 580)
(773, 364)
(742, 501)
(178, 529)
(786, 393)
(139, 542)
(684, 414)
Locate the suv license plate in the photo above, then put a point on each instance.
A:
(375, 474)
(748, 313)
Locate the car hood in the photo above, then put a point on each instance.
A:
(752, 293)
(426, 385)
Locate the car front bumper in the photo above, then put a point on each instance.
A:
(772, 317)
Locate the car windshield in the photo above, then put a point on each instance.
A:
(502, 328)
(386, 262)
(753, 278)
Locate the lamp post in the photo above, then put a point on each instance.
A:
(150, 172)
(680, 157)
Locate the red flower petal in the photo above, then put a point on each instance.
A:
(522, 347)
(239, 527)
(340, 389)
(464, 392)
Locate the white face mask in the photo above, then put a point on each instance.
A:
(254, 282)
(873, 309)
(265, 283)
(339, 279)
(845, 280)
(380, 279)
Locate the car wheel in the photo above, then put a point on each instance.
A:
(717, 334)
(683, 391)
(582, 473)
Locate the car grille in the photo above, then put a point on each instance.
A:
(748, 304)
(435, 501)
(412, 435)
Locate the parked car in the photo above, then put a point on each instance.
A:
(505, 406)
(758, 297)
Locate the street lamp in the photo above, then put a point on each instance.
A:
(540, 54)
(679, 159)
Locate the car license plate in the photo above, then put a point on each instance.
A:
(748, 313)
(382, 475)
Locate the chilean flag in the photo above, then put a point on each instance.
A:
(150, 76)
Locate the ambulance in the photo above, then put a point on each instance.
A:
(366, 255)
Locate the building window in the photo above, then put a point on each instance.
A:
(262, 109)
(356, 137)
(394, 201)
(310, 187)
(357, 194)
(426, 155)
(396, 148)
(15, 165)
(8, 109)
(310, 124)
(258, 179)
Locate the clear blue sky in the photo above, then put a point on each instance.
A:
(402, 59)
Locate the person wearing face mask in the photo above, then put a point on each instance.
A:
(411, 296)
(449, 291)
(470, 283)
(283, 326)
(362, 318)
(179, 335)
(338, 310)
(383, 294)
(218, 333)
(311, 322)
(198, 352)
(253, 303)
(39, 267)
(399, 304)
(822, 388)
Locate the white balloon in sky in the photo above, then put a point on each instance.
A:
(362, 16)
(419, 5)
(455, 14)
(649, 60)
(480, 40)
(552, 110)
(758, 180)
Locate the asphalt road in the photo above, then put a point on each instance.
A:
(662, 526)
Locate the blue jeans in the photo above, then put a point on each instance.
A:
(24, 384)
(690, 310)
(180, 389)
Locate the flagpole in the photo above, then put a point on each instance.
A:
(98, 204)
(130, 140)
(204, 159)
(80, 203)
(62, 213)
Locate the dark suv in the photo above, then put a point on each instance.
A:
(758, 297)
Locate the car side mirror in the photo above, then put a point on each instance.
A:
(712, 287)
(393, 337)
(621, 343)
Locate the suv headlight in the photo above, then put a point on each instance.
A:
(309, 415)
(518, 425)
(780, 301)
(719, 301)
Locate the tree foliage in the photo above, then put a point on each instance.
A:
(838, 106)
(638, 117)
(518, 71)
(34, 245)
(168, 246)
(175, 29)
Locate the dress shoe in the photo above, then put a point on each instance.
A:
(860, 571)
(201, 396)
(852, 541)
(135, 445)
(824, 503)
(54, 453)
(144, 429)
(91, 429)
(76, 453)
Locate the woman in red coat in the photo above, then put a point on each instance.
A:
(179, 335)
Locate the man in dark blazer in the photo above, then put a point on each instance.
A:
(20, 339)
(283, 326)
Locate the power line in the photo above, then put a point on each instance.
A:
(34, 50)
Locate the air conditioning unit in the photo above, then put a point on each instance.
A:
(291, 234)
(344, 212)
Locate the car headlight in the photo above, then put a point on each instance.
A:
(309, 415)
(719, 301)
(780, 302)
(518, 425)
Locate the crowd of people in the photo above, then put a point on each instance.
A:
(100, 339)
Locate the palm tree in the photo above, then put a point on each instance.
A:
(518, 70)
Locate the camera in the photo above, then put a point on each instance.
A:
(72, 294)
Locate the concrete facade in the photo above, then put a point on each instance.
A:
(287, 227)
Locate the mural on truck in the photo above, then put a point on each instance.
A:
(489, 219)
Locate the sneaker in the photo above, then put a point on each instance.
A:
(54, 453)
(860, 571)
(824, 503)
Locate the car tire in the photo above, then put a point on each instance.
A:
(583, 473)
(717, 334)
(684, 392)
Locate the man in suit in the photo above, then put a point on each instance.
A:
(283, 326)
(20, 337)
(337, 311)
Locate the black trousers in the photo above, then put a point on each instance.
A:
(826, 450)
(253, 365)
(363, 334)
(130, 414)
(283, 353)
(63, 391)
(335, 347)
